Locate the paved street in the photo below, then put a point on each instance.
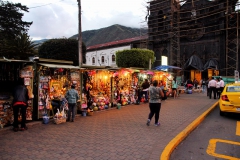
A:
(107, 135)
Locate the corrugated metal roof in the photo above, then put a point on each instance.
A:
(129, 40)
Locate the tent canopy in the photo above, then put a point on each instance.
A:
(194, 62)
(164, 67)
(211, 63)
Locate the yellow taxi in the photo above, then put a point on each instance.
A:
(230, 99)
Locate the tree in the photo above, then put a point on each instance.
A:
(20, 47)
(11, 24)
(134, 58)
(61, 49)
(13, 30)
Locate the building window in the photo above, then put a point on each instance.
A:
(102, 59)
(113, 58)
(93, 60)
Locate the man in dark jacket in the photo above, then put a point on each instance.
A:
(20, 101)
(145, 87)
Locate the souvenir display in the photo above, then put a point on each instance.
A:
(97, 89)
(53, 85)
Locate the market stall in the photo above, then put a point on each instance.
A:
(9, 76)
(54, 81)
(97, 89)
(123, 86)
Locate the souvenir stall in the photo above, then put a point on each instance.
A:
(97, 89)
(10, 73)
(123, 89)
(138, 78)
(54, 81)
(163, 77)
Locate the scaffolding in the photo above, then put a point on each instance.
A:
(169, 21)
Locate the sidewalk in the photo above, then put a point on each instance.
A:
(107, 135)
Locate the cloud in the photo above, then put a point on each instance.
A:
(59, 18)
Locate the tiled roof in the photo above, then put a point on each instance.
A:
(124, 41)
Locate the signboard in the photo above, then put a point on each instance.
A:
(236, 75)
(26, 73)
(75, 76)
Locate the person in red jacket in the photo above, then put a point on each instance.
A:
(20, 101)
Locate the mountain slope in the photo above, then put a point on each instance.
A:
(109, 34)
(104, 35)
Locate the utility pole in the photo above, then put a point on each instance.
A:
(79, 34)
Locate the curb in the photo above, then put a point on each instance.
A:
(183, 134)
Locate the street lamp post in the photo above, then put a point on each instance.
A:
(79, 34)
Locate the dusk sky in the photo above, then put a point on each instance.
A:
(59, 18)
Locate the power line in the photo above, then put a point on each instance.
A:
(44, 5)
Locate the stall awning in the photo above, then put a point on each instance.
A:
(194, 62)
(59, 66)
(164, 67)
(211, 64)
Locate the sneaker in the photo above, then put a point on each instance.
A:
(148, 122)
(157, 124)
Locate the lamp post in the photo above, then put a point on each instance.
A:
(79, 34)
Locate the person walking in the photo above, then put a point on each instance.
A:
(207, 82)
(212, 88)
(20, 101)
(195, 83)
(218, 92)
(72, 98)
(221, 84)
(203, 85)
(145, 87)
(155, 94)
(174, 88)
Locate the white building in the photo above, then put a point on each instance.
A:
(105, 54)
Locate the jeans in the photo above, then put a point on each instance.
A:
(23, 114)
(203, 88)
(146, 94)
(154, 109)
(71, 109)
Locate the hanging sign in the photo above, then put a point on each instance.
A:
(75, 76)
(236, 75)
(26, 73)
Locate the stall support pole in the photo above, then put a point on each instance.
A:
(111, 101)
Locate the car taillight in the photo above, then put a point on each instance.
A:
(225, 98)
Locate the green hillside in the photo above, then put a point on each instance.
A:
(109, 34)
(104, 35)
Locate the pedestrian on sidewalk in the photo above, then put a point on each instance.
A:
(174, 88)
(221, 84)
(203, 83)
(212, 88)
(155, 94)
(218, 91)
(72, 98)
(20, 101)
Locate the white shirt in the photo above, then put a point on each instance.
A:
(218, 85)
(212, 83)
(221, 83)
